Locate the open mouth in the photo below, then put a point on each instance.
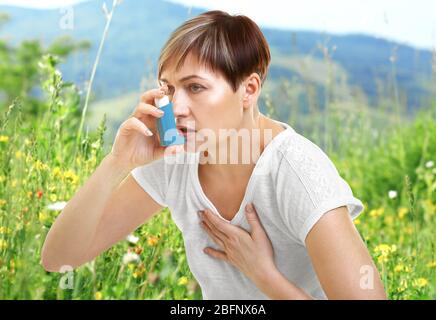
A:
(184, 131)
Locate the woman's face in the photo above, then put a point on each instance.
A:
(202, 100)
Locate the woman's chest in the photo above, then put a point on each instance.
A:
(226, 197)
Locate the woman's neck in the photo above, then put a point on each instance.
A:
(241, 160)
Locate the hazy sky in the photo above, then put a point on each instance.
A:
(407, 21)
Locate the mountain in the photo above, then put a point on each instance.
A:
(358, 64)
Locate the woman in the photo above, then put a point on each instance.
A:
(276, 226)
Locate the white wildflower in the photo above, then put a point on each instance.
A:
(57, 206)
(429, 164)
(130, 257)
(132, 239)
(392, 194)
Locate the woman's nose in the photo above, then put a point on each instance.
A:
(180, 107)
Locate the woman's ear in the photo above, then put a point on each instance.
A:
(252, 86)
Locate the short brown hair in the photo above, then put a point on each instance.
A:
(231, 44)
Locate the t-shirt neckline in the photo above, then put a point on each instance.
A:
(251, 181)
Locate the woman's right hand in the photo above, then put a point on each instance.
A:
(133, 145)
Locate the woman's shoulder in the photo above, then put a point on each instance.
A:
(304, 155)
(300, 164)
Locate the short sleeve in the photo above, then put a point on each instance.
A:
(309, 185)
(152, 177)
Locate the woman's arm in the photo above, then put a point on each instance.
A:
(277, 287)
(71, 235)
(103, 212)
(341, 260)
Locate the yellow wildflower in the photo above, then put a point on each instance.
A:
(399, 268)
(402, 212)
(431, 264)
(18, 154)
(53, 197)
(420, 282)
(2, 178)
(57, 173)
(356, 222)
(2, 202)
(39, 165)
(4, 230)
(4, 139)
(183, 281)
(376, 212)
(140, 270)
(43, 217)
(382, 258)
(3, 244)
(70, 175)
(152, 241)
(98, 295)
(402, 286)
(384, 250)
(14, 183)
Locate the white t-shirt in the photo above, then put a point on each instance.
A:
(292, 185)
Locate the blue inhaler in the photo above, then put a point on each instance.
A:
(166, 125)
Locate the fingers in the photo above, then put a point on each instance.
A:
(136, 125)
(217, 254)
(149, 96)
(222, 226)
(215, 238)
(211, 223)
(253, 218)
(218, 233)
(147, 109)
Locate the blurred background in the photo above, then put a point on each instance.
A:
(376, 52)
(356, 77)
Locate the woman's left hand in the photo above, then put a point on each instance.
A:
(251, 253)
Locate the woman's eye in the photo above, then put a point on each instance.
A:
(195, 88)
(170, 90)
